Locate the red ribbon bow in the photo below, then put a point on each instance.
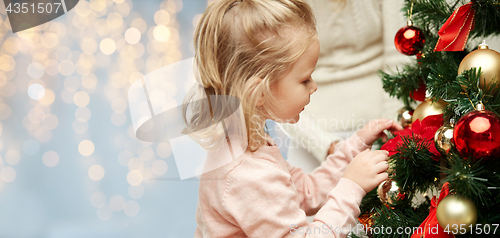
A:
(455, 31)
(430, 228)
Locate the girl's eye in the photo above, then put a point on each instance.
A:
(306, 81)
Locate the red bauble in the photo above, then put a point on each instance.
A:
(477, 134)
(409, 40)
(419, 93)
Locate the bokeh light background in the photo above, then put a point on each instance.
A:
(70, 165)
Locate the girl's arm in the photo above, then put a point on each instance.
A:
(313, 188)
(260, 198)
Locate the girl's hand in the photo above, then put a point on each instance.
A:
(368, 169)
(375, 129)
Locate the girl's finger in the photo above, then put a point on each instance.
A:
(381, 167)
(382, 177)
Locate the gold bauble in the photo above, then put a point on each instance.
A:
(387, 191)
(443, 138)
(456, 210)
(403, 116)
(487, 59)
(428, 108)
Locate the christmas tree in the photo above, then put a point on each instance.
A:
(451, 141)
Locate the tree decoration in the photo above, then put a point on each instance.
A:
(455, 31)
(388, 192)
(430, 227)
(423, 132)
(409, 40)
(486, 59)
(443, 138)
(404, 116)
(456, 211)
(477, 134)
(428, 108)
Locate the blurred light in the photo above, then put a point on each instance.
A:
(80, 22)
(124, 157)
(118, 1)
(3, 79)
(107, 46)
(42, 135)
(67, 96)
(89, 81)
(96, 172)
(49, 40)
(83, 8)
(114, 20)
(83, 114)
(86, 147)
(26, 34)
(36, 91)
(196, 19)
(71, 83)
(36, 70)
(104, 213)
(139, 24)
(89, 46)
(136, 192)
(146, 153)
(49, 97)
(58, 28)
(163, 150)
(118, 119)
(132, 35)
(81, 99)
(123, 8)
(8, 89)
(162, 17)
(9, 46)
(98, 199)
(7, 63)
(50, 122)
(134, 177)
(4, 111)
(8, 174)
(117, 203)
(80, 127)
(50, 158)
(63, 53)
(66, 67)
(161, 33)
(119, 105)
(131, 208)
(135, 164)
(12, 157)
(159, 167)
(31, 147)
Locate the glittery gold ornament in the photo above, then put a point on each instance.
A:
(404, 115)
(456, 210)
(387, 191)
(428, 108)
(487, 59)
(443, 139)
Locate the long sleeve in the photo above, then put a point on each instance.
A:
(263, 203)
(313, 188)
(269, 198)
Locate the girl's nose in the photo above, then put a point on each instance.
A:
(314, 87)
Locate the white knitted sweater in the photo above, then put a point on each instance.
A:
(355, 42)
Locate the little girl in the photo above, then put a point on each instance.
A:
(263, 52)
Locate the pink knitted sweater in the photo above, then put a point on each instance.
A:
(261, 195)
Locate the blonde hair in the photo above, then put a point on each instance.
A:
(242, 48)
